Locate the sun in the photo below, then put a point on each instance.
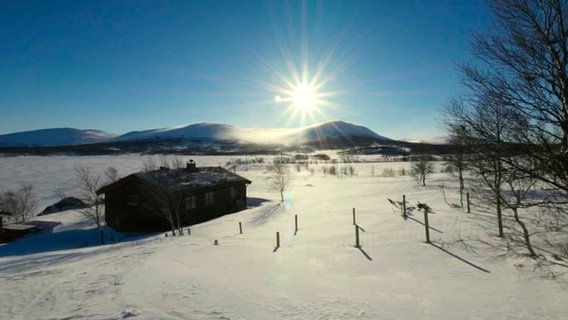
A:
(304, 97)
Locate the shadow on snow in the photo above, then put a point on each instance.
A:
(48, 241)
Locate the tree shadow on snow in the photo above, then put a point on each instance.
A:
(267, 214)
(48, 241)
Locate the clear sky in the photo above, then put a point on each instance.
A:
(118, 66)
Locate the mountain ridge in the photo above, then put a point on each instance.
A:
(53, 137)
(208, 132)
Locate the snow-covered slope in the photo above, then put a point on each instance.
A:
(55, 137)
(210, 131)
(316, 273)
(331, 129)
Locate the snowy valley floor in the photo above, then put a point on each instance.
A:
(316, 273)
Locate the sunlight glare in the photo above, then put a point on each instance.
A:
(304, 97)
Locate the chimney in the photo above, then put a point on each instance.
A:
(191, 166)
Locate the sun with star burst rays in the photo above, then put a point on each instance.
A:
(304, 97)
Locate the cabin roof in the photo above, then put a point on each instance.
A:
(182, 179)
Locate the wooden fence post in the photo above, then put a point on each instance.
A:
(404, 205)
(468, 206)
(296, 223)
(357, 244)
(427, 225)
(354, 221)
(240, 228)
(277, 239)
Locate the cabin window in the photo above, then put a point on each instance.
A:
(208, 198)
(234, 193)
(132, 200)
(191, 202)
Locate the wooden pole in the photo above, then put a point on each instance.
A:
(404, 205)
(240, 228)
(468, 207)
(354, 222)
(277, 239)
(427, 225)
(357, 244)
(296, 223)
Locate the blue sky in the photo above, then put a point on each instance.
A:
(133, 65)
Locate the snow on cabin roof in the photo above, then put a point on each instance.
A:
(198, 178)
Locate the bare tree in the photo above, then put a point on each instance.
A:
(111, 175)
(422, 165)
(456, 162)
(20, 203)
(166, 190)
(279, 175)
(149, 164)
(89, 183)
(490, 130)
(523, 65)
(519, 186)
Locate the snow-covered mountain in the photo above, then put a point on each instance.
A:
(332, 129)
(211, 131)
(205, 132)
(216, 131)
(54, 137)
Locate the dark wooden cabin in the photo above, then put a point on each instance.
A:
(202, 193)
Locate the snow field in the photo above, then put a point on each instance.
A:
(315, 274)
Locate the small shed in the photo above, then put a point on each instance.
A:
(13, 231)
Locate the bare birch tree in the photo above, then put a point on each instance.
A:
(422, 165)
(456, 163)
(166, 190)
(490, 130)
(522, 63)
(89, 183)
(20, 203)
(280, 176)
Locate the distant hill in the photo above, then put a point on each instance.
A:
(334, 129)
(206, 138)
(199, 132)
(54, 137)
(224, 132)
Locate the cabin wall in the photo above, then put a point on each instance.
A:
(131, 208)
(123, 213)
(224, 202)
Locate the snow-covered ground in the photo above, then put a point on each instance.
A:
(316, 273)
